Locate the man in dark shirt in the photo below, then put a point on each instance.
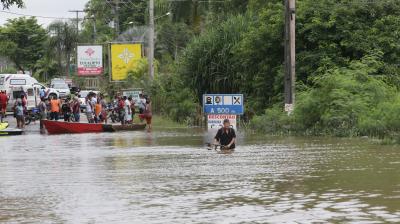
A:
(226, 136)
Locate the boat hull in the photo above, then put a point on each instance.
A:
(10, 132)
(59, 127)
(129, 127)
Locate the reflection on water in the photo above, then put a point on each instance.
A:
(169, 177)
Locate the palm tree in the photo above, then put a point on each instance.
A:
(63, 39)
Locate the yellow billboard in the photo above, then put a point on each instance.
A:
(124, 57)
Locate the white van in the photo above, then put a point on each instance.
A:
(17, 84)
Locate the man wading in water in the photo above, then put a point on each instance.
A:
(226, 136)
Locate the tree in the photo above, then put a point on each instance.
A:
(22, 42)
(63, 39)
(7, 3)
(172, 38)
(208, 64)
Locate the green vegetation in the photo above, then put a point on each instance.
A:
(350, 101)
(22, 41)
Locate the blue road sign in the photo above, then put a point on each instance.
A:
(223, 104)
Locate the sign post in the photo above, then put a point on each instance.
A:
(90, 60)
(215, 121)
(124, 57)
(219, 107)
(134, 93)
(223, 104)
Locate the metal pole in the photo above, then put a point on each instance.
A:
(151, 39)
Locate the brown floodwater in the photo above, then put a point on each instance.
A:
(168, 176)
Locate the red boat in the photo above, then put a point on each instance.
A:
(59, 127)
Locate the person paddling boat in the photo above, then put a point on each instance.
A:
(226, 136)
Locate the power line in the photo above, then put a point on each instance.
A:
(42, 17)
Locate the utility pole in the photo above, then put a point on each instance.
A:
(116, 16)
(151, 39)
(77, 18)
(290, 54)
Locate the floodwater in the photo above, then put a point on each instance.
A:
(168, 176)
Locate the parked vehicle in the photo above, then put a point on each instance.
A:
(62, 89)
(32, 116)
(57, 81)
(17, 84)
(113, 113)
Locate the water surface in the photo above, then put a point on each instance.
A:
(169, 177)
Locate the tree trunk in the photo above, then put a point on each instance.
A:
(67, 64)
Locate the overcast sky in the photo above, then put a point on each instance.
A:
(48, 8)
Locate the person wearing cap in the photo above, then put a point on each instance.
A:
(226, 136)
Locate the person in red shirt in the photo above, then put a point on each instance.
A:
(3, 105)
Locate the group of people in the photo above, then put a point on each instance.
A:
(126, 109)
(54, 107)
(96, 109)
(20, 108)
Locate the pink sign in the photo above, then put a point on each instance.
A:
(90, 60)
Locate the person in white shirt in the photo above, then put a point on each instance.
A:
(128, 111)
(89, 109)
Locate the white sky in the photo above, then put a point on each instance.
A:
(50, 8)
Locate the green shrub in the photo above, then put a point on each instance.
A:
(348, 101)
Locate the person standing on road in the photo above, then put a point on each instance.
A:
(142, 106)
(19, 114)
(66, 110)
(121, 110)
(76, 109)
(148, 113)
(3, 105)
(128, 111)
(42, 93)
(133, 103)
(89, 109)
(97, 111)
(55, 105)
(43, 111)
(103, 104)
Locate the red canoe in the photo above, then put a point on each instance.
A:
(59, 127)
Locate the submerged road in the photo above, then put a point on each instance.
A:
(167, 176)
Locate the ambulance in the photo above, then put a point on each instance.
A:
(16, 85)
